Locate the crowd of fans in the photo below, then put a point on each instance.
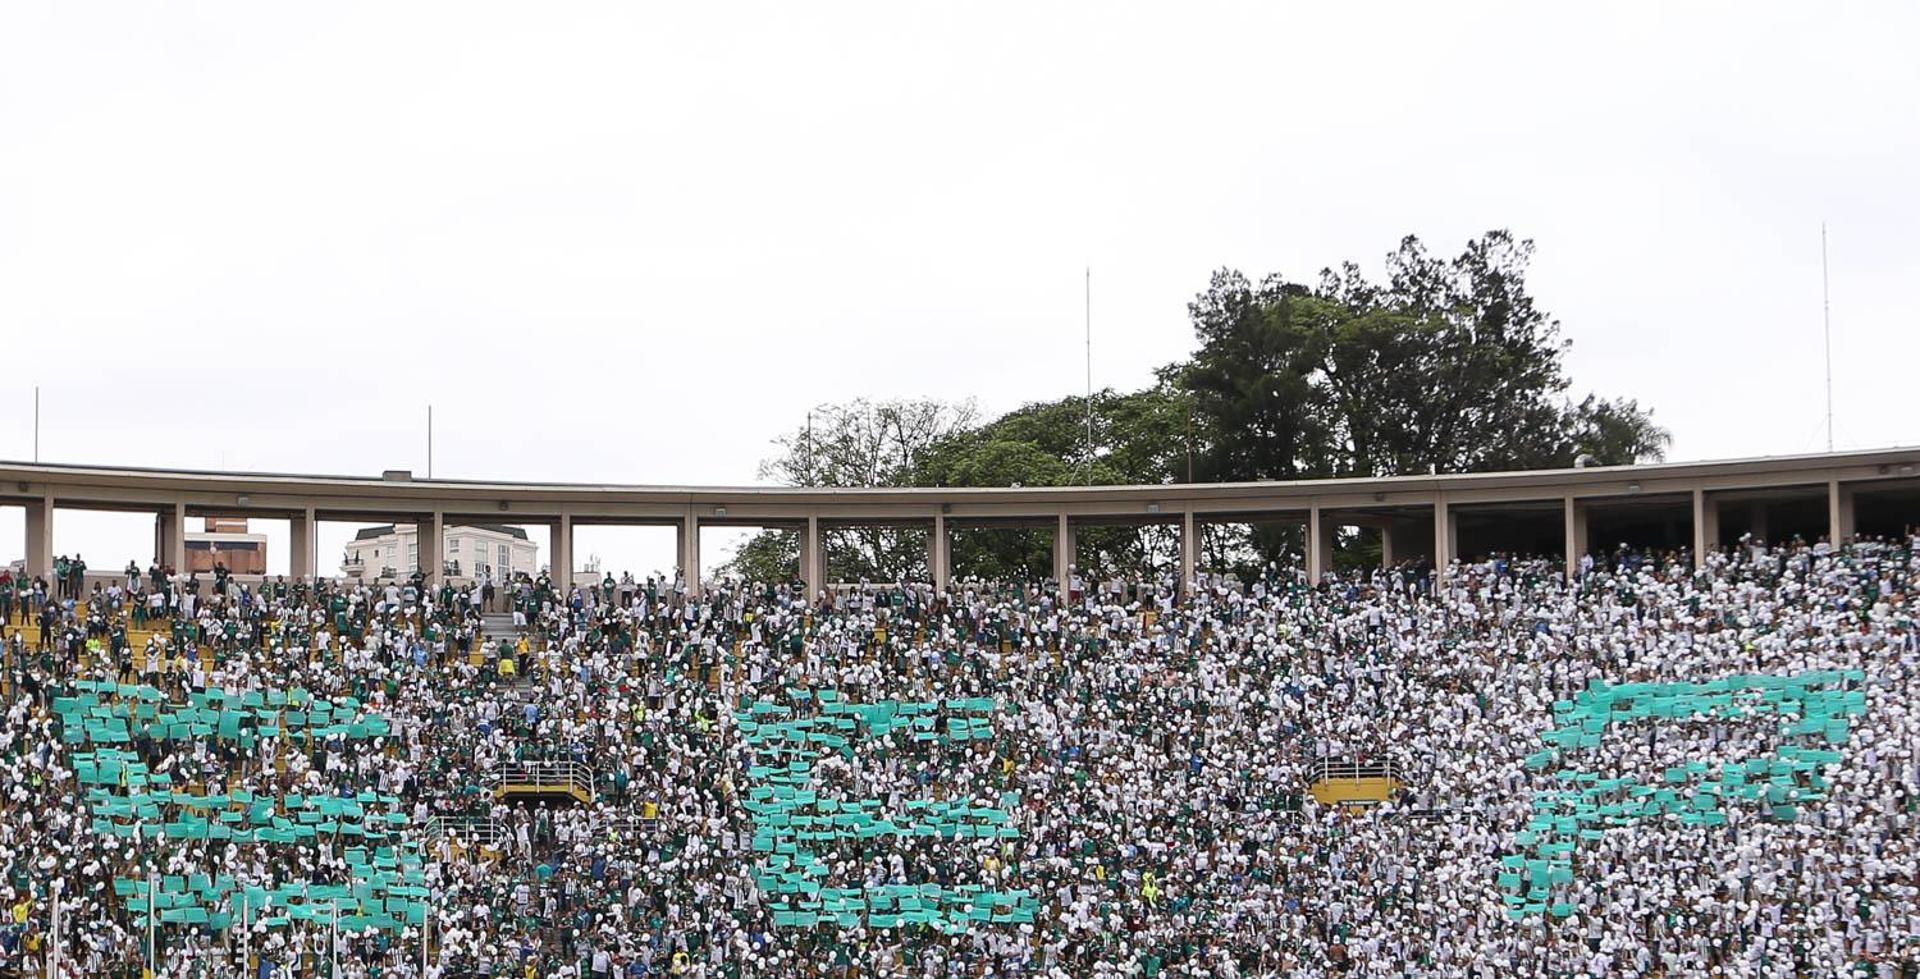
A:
(1154, 746)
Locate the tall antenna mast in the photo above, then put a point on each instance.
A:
(1089, 301)
(1826, 326)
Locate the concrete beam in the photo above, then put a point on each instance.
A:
(351, 497)
(40, 486)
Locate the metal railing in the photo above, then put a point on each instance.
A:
(1346, 768)
(483, 830)
(629, 826)
(572, 777)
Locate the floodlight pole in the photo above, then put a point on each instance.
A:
(1826, 330)
(1088, 473)
(153, 962)
(53, 950)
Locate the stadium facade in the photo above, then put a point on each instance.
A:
(1436, 517)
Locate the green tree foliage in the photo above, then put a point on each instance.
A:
(852, 444)
(1141, 437)
(768, 556)
(1445, 365)
(866, 443)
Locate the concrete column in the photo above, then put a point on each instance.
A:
(170, 536)
(560, 562)
(690, 551)
(1189, 552)
(680, 547)
(1063, 552)
(1445, 536)
(432, 535)
(1386, 544)
(939, 553)
(1839, 512)
(1577, 545)
(1706, 527)
(40, 538)
(813, 557)
(1318, 534)
(303, 536)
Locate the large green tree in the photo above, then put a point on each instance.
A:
(1445, 364)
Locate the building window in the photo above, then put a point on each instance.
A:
(453, 545)
(413, 555)
(506, 559)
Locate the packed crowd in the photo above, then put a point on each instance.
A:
(1151, 752)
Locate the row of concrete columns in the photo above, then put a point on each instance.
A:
(1321, 527)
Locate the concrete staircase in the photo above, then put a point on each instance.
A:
(499, 625)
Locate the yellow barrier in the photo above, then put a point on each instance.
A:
(531, 790)
(1353, 791)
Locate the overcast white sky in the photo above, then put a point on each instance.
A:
(633, 243)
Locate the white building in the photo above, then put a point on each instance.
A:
(469, 550)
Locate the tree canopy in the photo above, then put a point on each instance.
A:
(1444, 365)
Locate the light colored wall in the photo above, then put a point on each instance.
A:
(396, 551)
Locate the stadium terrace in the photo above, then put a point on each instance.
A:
(1649, 720)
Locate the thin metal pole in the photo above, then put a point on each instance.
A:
(1826, 325)
(153, 963)
(1089, 316)
(53, 950)
(1189, 400)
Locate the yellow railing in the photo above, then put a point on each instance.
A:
(545, 778)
